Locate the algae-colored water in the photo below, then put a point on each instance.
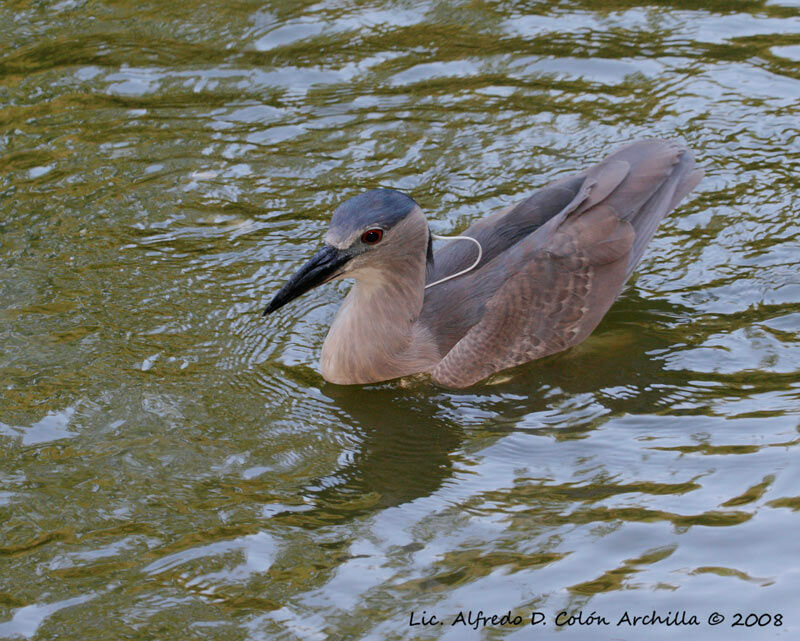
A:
(172, 465)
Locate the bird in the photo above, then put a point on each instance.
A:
(534, 278)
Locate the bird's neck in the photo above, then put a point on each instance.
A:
(375, 335)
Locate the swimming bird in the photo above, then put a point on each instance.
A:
(535, 279)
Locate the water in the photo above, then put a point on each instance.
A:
(174, 467)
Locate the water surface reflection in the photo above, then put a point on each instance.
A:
(174, 466)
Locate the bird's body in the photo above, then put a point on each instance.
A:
(551, 266)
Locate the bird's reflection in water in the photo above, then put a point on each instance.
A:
(409, 434)
(404, 451)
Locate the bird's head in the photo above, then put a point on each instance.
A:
(371, 234)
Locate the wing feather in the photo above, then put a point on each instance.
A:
(552, 301)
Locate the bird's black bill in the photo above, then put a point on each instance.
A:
(321, 268)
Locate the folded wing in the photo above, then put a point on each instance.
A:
(548, 290)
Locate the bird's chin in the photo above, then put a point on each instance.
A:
(326, 265)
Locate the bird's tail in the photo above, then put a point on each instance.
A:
(660, 175)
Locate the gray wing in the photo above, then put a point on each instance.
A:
(502, 229)
(550, 289)
(638, 170)
(553, 302)
(451, 308)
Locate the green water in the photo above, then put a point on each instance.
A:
(172, 465)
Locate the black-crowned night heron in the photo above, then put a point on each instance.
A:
(548, 270)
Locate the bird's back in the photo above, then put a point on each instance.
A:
(548, 255)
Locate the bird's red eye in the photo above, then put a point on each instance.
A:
(372, 236)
